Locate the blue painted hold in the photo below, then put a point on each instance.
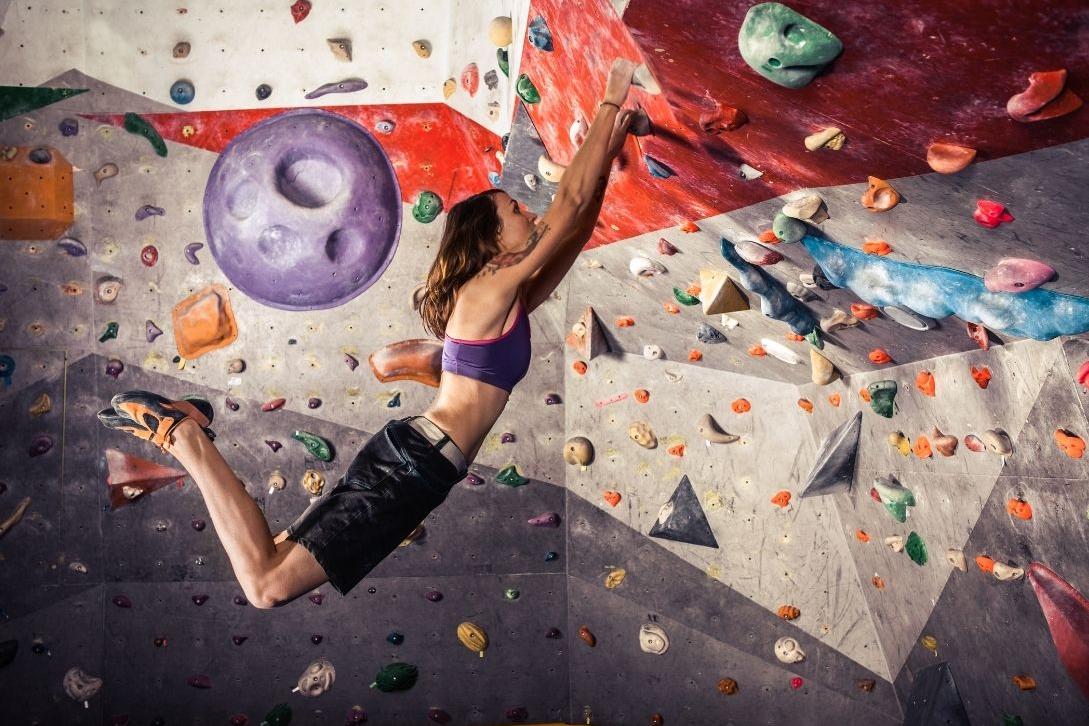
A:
(182, 92)
(493, 177)
(539, 34)
(657, 168)
(7, 368)
(775, 301)
(69, 127)
(938, 292)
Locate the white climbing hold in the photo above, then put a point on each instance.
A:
(1005, 572)
(729, 323)
(757, 254)
(748, 173)
(643, 78)
(645, 267)
(908, 318)
(652, 352)
(577, 132)
(531, 181)
(653, 640)
(895, 542)
(788, 650)
(807, 208)
(830, 137)
(778, 350)
(798, 292)
(549, 169)
(957, 559)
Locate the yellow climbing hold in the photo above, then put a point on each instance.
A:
(615, 577)
(501, 31)
(448, 87)
(930, 643)
(900, 442)
(473, 637)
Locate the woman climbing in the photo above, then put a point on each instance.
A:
(495, 264)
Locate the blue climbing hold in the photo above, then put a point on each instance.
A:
(182, 92)
(657, 168)
(493, 177)
(68, 127)
(7, 368)
(539, 34)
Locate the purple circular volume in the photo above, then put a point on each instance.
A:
(303, 210)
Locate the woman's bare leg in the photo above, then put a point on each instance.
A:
(271, 571)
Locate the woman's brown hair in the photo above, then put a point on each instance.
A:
(469, 239)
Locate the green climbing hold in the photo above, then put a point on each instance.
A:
(503, 59)
(109, 333)
(1009, 719)
(396, 677)
(882, 397)
(815, 339)
(784, 46)
(787, 229)
(316, 445)
(511, 594)
(509, 475)
(427, 207)
(16, 100)
(684, 298)
(280, 715)
(526, 90)
(136, 124)
(895, 496)
(916, 548)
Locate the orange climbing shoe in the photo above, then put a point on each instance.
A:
(153, 418)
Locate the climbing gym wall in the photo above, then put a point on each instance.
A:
(803, 437)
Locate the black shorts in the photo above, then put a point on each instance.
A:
(391, 486)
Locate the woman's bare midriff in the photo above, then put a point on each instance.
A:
(466, 409)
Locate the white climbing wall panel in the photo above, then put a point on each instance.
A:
(42, 39)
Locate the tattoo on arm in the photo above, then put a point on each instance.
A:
(509, 259)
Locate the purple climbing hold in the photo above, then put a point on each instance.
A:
(40, 444)
(233, 405)
(518, 714)
(351, 361)
(316, 639)
(665, 247)
(149, 210)
(348, 85)
(72, 246)
(552, 399)
(199, 681)
(199, 600)
(122, 601)
(161, 642)
(433, 595)
(198, 524)
(191, 250)
(548, 519)
(239, 719)
(1013, 274)
(151, 331)
(473, 480)
(553, 633)
(506, 438)
(68, 127)
(313, 402)
(317, 598)
(240, 600)
(114, 368)
(239, 639)
(356, 715)
(274, 445)
(437, 715)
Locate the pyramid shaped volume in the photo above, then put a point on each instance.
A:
(835, 467)
(935, 700)
(15, 100)
(681, 519)
(1067, 613)
(131, 477)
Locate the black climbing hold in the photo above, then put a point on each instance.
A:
(835, 467)
(198, 524)
(395, 638)
(316, 639)
(553, 633)
(682, 519)
(263, 91)
(821, 279)
(239, 600)
(40, 155)
(239, 639)
(313, 402)
(68, 127)
(934, 699)
(550, 556)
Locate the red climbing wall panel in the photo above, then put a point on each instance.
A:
(35, 196)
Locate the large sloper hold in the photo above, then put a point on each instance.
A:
(835, 467)
(682, 519)
(775, 301)
(418, 359)
(934, 699)
(1067, 613)
(784, 46)
(587, 336)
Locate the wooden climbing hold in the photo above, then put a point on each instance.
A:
(781, 499)
(924, 381)
(949, 158)
(741, 405)
(880, 196)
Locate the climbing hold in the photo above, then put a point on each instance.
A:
(612, 497)
(894, 496)
(204, 322)
(470, 79)
(509, 476)
(624, 321)
(548, 519)
(577, 132)
(1025, 683)
(80, 686)
(641, 433)
(785, 47)
(587, 336)
(880, 356)
(526, 90)
(711, 432)
(418, 359)
(944, 444)
(539, 35)
(313, 482)
(789, 612)
(780, 351)
(1005, 573)
(109, 332)
(502, 59)
(1045, 98)
(105, 171)
(587, 636)
(181, 50)
(652, 352)
(807, 208)
(114, 368)
(882, 397)
(880, 196)
(1019, 508)
(916, 549)
(149, 255)
(834, 469)
(640, 124)
(876, 247)
(550, 170)
(788, 650)
(985, 564)
(427, 207)
(757, 254)
(864, 311)
(263, 91)
(641, 395)
(827, 138)
(895, 543)
(182, 92)
(741, 405)
(924, 381)
(781, 499)
(949, 158)
(719, 293)
(641, 266)
(956, 558)
(821, 369)
(997, 442)
(42, 405)
(501, 31)
(708, 334)
(274, 404)
(299, 10)
(348, 85)
(682, 519)
(652, 639)
(1070, 443)
(190, 252)
(900, 442)
(341, 48)
(787, 229)
(1067, 614)
(990, 214)
(1017, 275)
(318, 447)
(149, 210)
(473, 637)
(656, 168)
(684, 298)
(775, 301)
(641, 77)
(930, 643)
(615, 578)
(136, 124)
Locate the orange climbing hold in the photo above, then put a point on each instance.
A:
(669, 308)
(985, 564)
(805, 404)
(694, 355)
(689, 227)
(741, 405)
(861, 536)
(204, 322)
(612, 497)
(982, 376)
(1019, 508)
(781, 499)
(676, 450)
(757, 351)
(793, 337)
(625, 321)
(768, 237)
(642, 395)
(863, 311)
(834, 399)
(924, 381)
(864, 394)
(694, 289)
(878, 582)
(579, 367)
(789, 612)
(922, 447)
(1025, 683)
(1071, 444)
(880, 356)
(876, 247)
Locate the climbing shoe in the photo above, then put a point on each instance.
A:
(153, 418)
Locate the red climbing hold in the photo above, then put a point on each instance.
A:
(979, 334)
(273, 405)
(982, 376)
(1067, 614)
(1083, 375)
(300, 10)
(990, 214)
(796, 683)
(470, 79)
(130, 477)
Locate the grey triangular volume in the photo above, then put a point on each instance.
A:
(835, 467)
(681, 519)
(934, 699)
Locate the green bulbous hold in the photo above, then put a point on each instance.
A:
(396, 677)
(316, 445)
(916, 549)
(135, 124)
(109, 333)
(882, 397)
(526, 90)
(784, 46)
(896, 498)
(280, 715)
(427, 207)
(509, 475)
(503, 59)
(787, 229)
(684, 298)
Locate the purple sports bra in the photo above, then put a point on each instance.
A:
(500, 362)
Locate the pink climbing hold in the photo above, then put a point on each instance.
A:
(300, 10)
(470, 79)
(665, 247)
(1014, 274)
(1083, 375)
(990, 214)
(1067, 614)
